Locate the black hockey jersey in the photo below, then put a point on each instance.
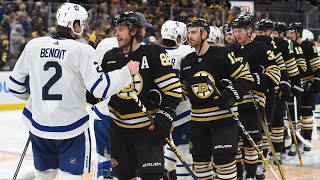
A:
(155, 73)
(289, 60)
(269, 41)
(216, 64)
(312, 59)
(298, 54)
(257, 56)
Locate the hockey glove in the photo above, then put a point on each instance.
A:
(315, 86)
(228, 97)
(155, 97)
(257, 80)
(163, 122)
(285, 89)
(296, 90)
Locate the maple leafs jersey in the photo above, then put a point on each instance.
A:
(216, 64)
(176, 55)
(106, 45)
(59, 72)
(155, 73)
(257, 56)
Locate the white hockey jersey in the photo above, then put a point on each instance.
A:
(101, 110)
(104, 46)
(184, 108)
(59, 72)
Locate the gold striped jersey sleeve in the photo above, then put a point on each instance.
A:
(298, 54)
(170, 85)
(313, 61)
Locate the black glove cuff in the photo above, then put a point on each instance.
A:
(167, 112)
(234, 92)
(300, 89)
(257, 78)
(285, 83)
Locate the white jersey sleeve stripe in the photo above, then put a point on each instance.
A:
(66, 128)
(100, 115)
(16, 92)
(17, 82)
(95, 85)
(107, 88)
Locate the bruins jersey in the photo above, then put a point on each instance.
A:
(269, 41)
(155, 73)
(298, 54)
(216, 64)
(312, 59)
(289, 60)
(257, 55)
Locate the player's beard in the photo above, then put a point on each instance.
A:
(125, 43)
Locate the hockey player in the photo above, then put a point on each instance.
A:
(173, 34)
(229, 38)
(215, 36)
(290, 77)
(310, 79)
(102, 124)
(260, 59)
(136, 148)
(280, 30)
(60, 70)
(210, 118)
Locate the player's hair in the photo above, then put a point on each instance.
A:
(168, 43)
(64, 32)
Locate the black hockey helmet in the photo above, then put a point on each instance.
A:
(226, 28)
(264, 24)
(243, 21)
(127, 18)
(280, 27)
(297, 26)
(201, 23)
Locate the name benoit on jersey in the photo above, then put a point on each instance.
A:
(52, 53)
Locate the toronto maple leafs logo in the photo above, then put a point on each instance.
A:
(76, 7)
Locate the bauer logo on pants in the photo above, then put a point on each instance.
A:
(223, 146)
(151, 164)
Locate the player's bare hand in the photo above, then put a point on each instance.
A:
(133, 67)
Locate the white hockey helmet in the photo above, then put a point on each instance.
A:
(307, 34)
(171, 30)
(70, 12)
(214, 34)
(182, 31)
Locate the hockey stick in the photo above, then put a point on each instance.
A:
(21, 159)
(245, 132)
(293, 134)
(266, 130)
(143, 108)
(304, 141)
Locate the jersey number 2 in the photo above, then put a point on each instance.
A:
(50, 83)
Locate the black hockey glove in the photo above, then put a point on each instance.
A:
(296, 90)
(155, 97)
(257, 80)
(315, 86)
(228, 96)
(285, 90)
(163, 122)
